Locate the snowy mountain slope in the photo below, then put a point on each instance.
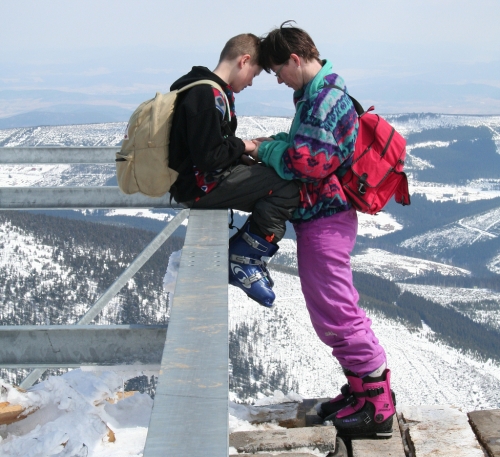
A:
(399, 267)
(480, 305)
(424, 371)
(478, 189)
(464, 232)
(407, 124)
(52, 271)
(377, 262)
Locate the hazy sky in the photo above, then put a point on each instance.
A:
(123, 47)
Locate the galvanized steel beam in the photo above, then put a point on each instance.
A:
(53, 155)
(131, 270)
(190, 412)
(25, 198)
(67, 346)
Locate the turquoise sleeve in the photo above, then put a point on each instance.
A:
(271, 154)
(282, 136)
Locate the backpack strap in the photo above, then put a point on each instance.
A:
(213, 84)
(357, 106)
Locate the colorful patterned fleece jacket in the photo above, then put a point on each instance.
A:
(321, 139)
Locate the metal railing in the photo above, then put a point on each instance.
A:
(192, 357)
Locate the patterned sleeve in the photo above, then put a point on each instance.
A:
(325, 137)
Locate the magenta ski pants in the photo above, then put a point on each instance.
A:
(323, 252)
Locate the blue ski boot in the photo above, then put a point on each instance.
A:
(247, 270)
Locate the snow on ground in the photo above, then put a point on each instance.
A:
(164, 215)
(377, 225)
(417, 124)
(446, 295)
(479, 189)
(423, 371)
(86, 413)
(41, 175)
(21, 253)
(399, 267)
(107, 134)
(494, 264)
(378, 262)
(464, 232)
(73, 416)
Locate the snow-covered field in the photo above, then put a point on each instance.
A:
(463, 232)
(447, 295)
(407, 126)
(73, 414)
(423, 372)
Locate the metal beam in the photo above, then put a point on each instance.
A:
(193, 376)
(130, 271)
(36, 155)
(58, 346)
(26, 198)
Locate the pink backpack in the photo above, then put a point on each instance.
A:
(376, 172)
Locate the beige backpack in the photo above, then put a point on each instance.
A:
(142, 163)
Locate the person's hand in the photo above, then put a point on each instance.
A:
(255, 152)
(249, 146)
(247, 160)
(263, 138)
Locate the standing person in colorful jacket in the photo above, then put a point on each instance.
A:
(319, 144)
(215, 170)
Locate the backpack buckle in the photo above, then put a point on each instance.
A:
(362, 184)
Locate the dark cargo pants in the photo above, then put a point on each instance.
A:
(258, 190)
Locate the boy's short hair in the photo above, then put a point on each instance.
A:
(281, 42)
(246, 43)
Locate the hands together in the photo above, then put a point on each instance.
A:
(252, 146)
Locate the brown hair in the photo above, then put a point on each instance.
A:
(246, 43)
(277, 46)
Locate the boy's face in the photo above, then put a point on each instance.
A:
(244, 77)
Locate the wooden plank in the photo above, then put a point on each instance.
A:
(321, 438)
(486, 425)
(286, 454)
(12, 413)
(392, 447)
(434, 431)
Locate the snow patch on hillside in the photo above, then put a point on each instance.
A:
(447, 295)
(381, 224)
(399, 267)
(464, 232)
(494, 264)
(479, 189)
(414, 124)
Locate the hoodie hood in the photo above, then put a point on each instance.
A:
(196, 74)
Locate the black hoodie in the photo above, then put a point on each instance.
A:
(198, 137)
